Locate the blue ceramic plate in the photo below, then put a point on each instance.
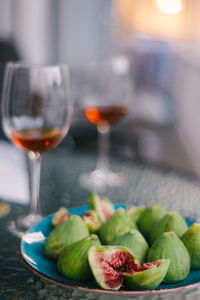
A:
(33, 256)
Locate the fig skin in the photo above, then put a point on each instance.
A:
(103, 206)
(73, 260)
(172, 221)
(149, 217)
(134, 240)
(134, 212)
(99, 267)
(68, 232)
(132, 224)
(92, 221)
(116, 226)
(169, 246)
(191, 240)
(148, 279)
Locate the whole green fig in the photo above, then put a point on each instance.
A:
(172, 221)
(132, 223)
(134, 240)
(191, 240)
(169, 246)
(116, 225)
(73, 260)
(149, 217)
(68, 232)
(135, 212)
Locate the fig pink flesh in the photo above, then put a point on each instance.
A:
(107, 212)
(150, 265)
(130, 208)
(64, 216)
(114, 265)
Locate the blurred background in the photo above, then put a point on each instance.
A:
(161, 38)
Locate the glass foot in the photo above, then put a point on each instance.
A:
(101, 180)
(21, 224)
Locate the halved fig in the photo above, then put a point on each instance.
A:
(172, 221)
(68, 232)
(103, 206)
(115, 226)
(109, 263)
(60, 216)
(92, 220)
(134, 240)
(73, 260)
(149, 277)
(149, 217)
(191, 240)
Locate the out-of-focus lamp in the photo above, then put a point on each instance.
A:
(170, 7)
(168, 19)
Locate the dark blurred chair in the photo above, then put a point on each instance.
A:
(8, 52)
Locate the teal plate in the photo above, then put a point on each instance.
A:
(33, 256)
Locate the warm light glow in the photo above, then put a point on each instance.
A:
(170, 7)
(154, 18)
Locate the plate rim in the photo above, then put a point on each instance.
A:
(99, 290)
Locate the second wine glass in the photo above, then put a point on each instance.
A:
(105, 102)
(36, 113)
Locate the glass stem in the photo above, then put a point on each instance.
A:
(35, 165)
(103, 147)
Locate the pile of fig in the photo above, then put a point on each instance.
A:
(135, 248)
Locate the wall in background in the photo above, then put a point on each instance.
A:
(63, 30)
(5, 18)
(85, 30)
(31, 26)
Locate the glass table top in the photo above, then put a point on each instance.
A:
(144, 184)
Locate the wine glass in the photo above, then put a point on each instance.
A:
(36, 115)
(106, 91)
